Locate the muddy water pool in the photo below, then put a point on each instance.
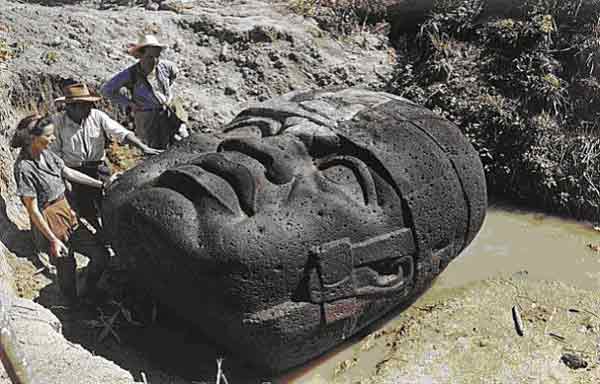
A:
(510, 243)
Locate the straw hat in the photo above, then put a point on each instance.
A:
(144, 41)
(77, 92)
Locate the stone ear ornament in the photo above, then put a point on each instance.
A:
(377, 267)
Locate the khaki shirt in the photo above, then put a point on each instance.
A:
(41, 179)
(76, 143)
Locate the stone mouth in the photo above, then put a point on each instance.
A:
(197, 184)
(388, 273)
(385, 276)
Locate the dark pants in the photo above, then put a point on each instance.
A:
(87, 201)
(156, 128)
(84, 242)
(78, 238)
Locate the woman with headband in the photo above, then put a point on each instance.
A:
(40, 176)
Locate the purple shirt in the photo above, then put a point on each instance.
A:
(151, 93)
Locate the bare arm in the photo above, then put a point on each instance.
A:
(131, 138)
(111, 90)
(115, 130)
(80, 178)
(173, 73)
(56, 246)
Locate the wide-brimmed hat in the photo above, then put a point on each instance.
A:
(77, 93)
(144, 41)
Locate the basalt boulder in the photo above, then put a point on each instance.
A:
(305, 219)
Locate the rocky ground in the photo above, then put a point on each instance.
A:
(230, 53)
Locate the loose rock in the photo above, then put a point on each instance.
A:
(573, 361)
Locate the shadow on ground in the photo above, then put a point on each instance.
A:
(137, 336)
(141, 337)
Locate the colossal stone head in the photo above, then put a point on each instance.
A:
(307, 218)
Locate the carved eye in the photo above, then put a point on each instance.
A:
(346, 179)
(350, 174)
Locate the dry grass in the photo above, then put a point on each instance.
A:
(5, 51)
(122, 157)
(342, 17)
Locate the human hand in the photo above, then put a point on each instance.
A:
(151, 151)
(114, 177)
(181, 133)
(107, 182)
(58, 248)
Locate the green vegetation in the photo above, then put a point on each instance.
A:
(341, 17)
(50, 57)
(524, 90)
(304, 7)
(5, 51)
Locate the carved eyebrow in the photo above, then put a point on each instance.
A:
(266, 126)
(360, 170)
(349, 147)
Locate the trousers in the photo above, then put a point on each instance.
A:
(78, 238)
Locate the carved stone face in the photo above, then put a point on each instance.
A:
(307, 218)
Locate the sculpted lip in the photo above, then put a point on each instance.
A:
(212, 175)
(237, 175)
(195, 183)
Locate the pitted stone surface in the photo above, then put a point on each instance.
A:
(307, 218)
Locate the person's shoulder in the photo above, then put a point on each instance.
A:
(129, 68)
(22, 165)
(52, 157)
(167, 63)
(49, 154)
(124, 73)
(102, 118)
(57, 118)
(98, 114)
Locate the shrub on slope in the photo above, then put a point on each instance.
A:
(525, 90)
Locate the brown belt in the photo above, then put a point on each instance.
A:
(49, 203)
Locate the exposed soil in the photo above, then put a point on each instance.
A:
(164, 350)
(468, 335)
(472, 332)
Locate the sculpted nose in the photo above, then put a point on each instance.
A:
(281, 156)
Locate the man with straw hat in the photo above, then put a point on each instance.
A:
(158, 115)
(81, 137)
